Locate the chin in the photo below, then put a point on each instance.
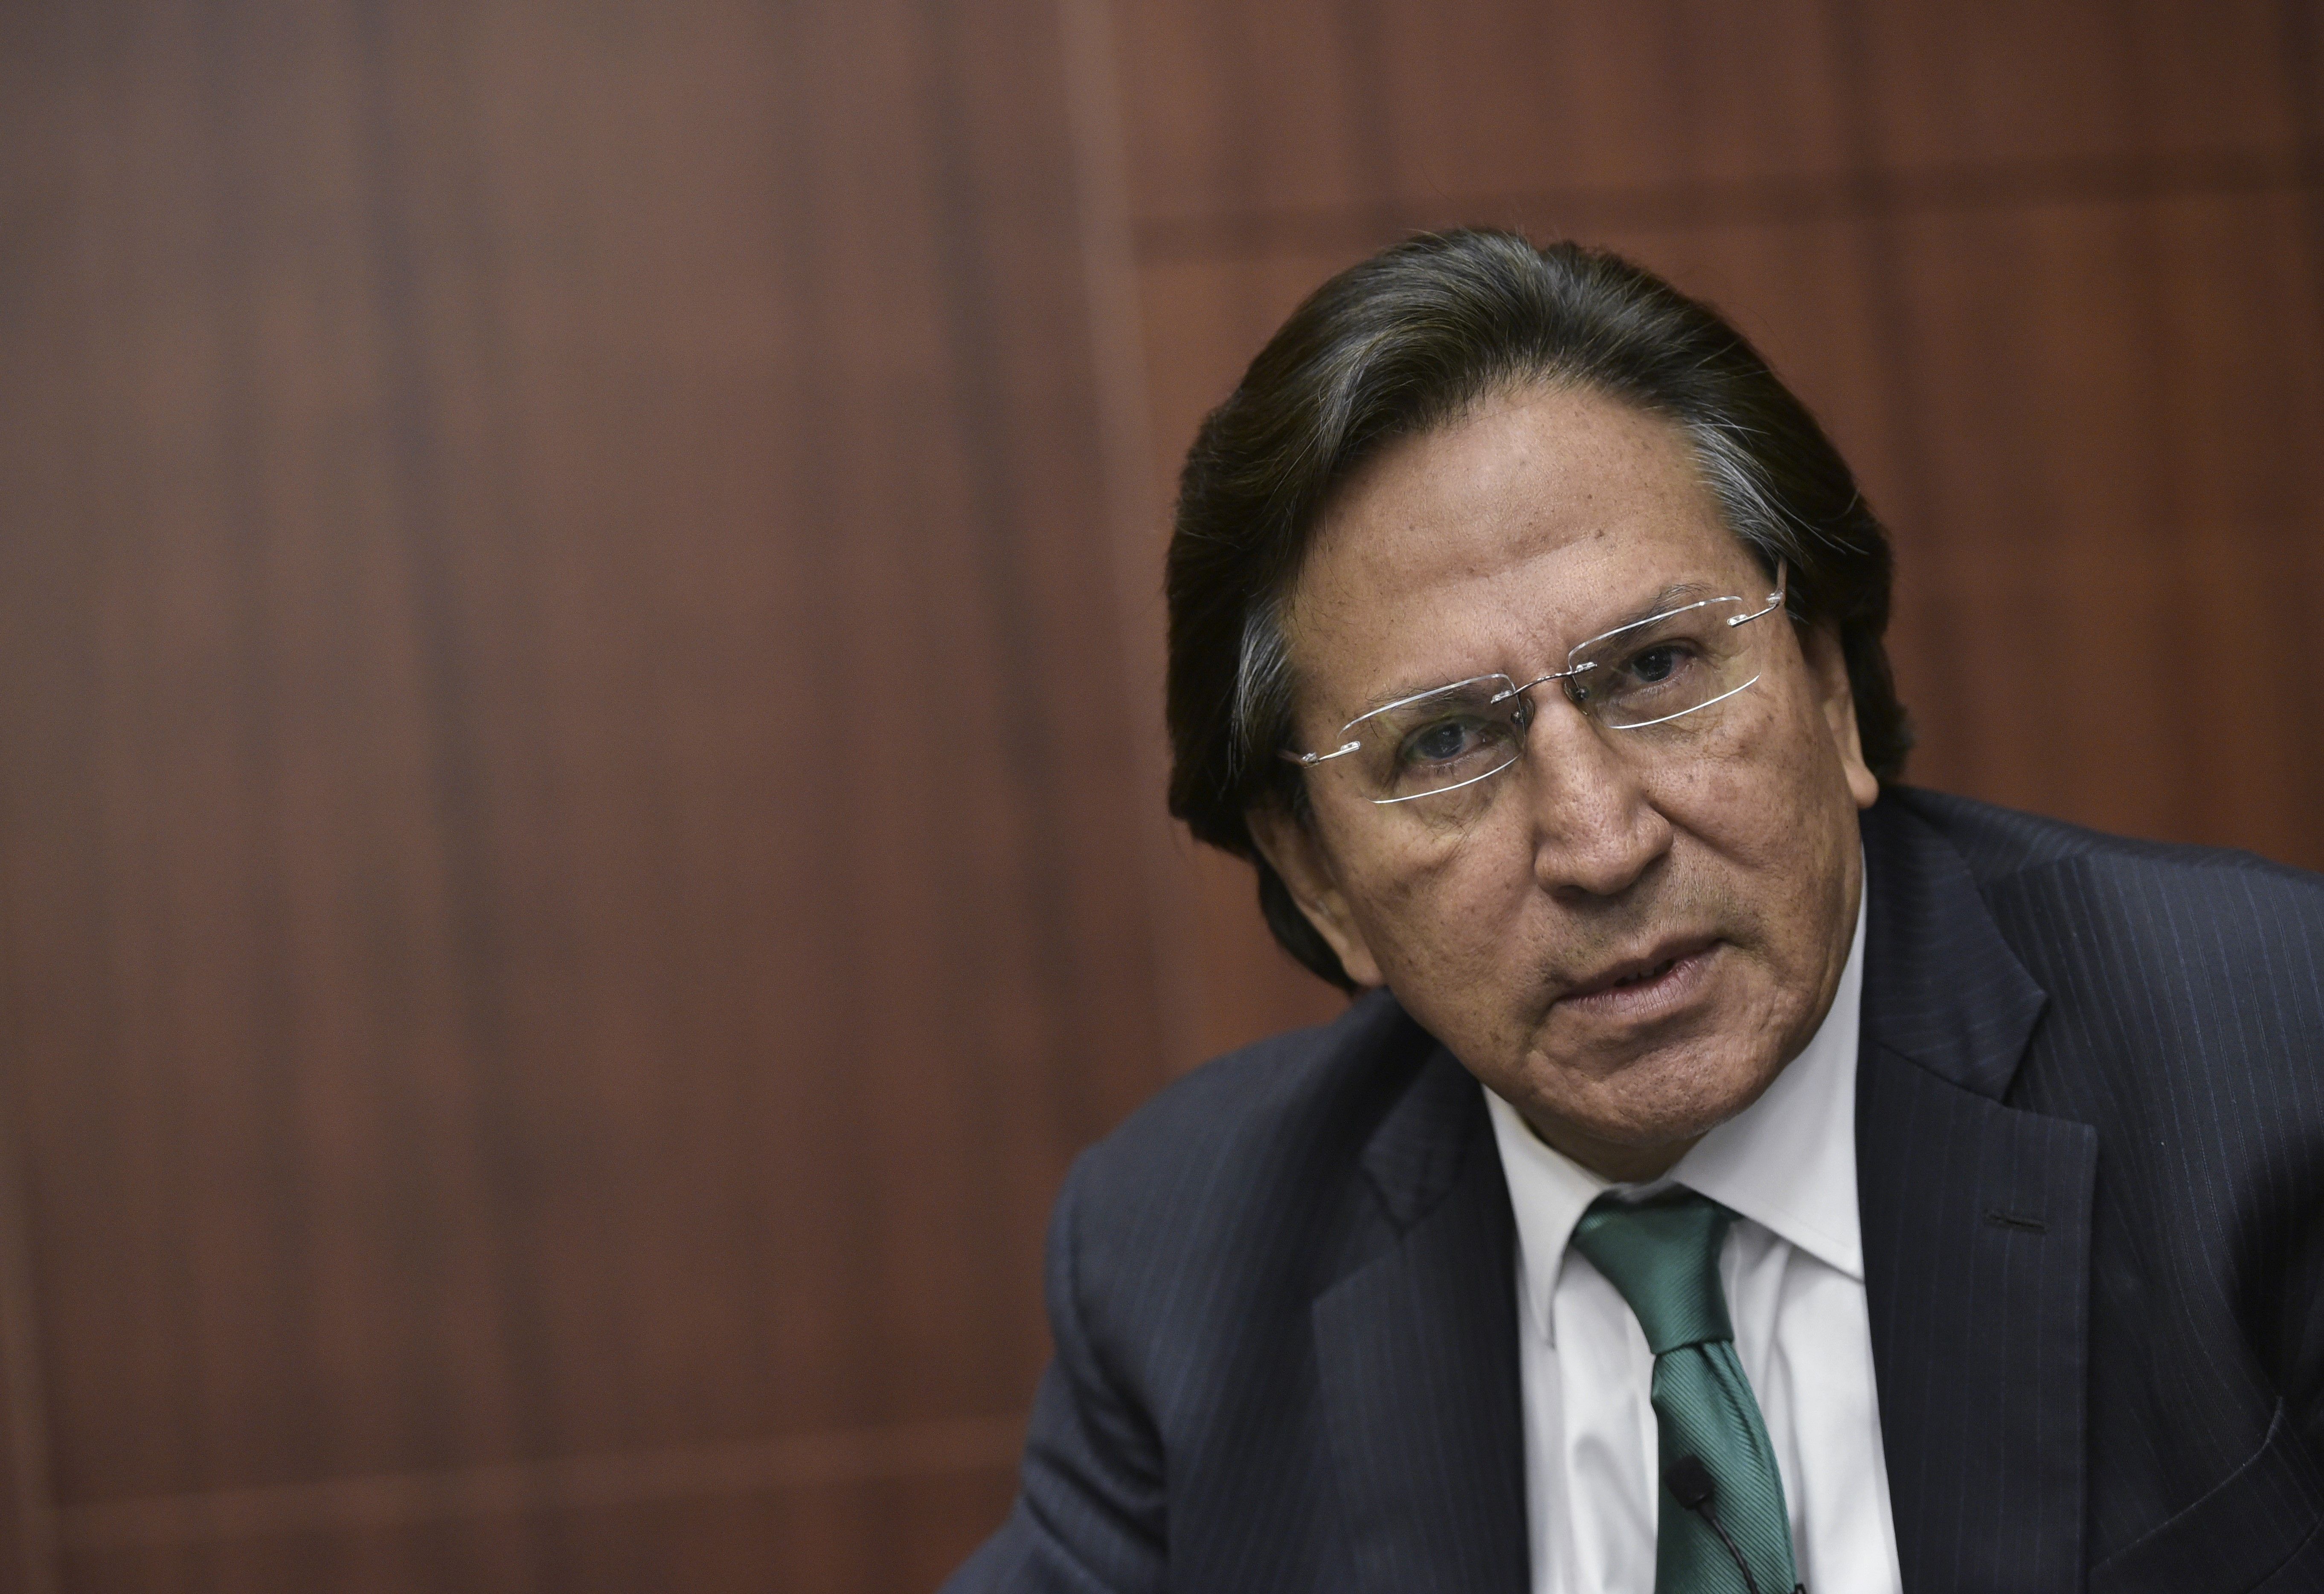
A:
(1670, 1095)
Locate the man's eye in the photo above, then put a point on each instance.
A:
(1442, 742)
(1445, 742)
(1657, 664)
(1654, 664)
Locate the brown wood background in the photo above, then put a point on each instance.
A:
(579, 834)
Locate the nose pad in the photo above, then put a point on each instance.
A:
(1575, 685)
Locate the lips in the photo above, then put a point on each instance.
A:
(1635, 973)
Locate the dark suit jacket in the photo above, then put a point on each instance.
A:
(2091, 1161)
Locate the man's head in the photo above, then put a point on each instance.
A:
(1458, 460)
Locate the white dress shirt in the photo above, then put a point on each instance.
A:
(1793, 1267)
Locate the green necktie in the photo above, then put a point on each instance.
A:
(1663, 1254)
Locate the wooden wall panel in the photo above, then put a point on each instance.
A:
(29, 1545)
(1651, 101)
(562, 861)
(578, 837)
(2050, 274)
(2136, 385)
(2099, 84)
(1353, 116)
(902, 1532)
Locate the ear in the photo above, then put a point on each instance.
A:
(1299, 857)
(1828, 668)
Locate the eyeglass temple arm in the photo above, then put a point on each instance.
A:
(1310, 760)
(1774, 598)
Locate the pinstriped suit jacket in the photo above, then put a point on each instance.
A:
(2091, 1159)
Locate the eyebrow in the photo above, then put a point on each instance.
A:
(1678, 594)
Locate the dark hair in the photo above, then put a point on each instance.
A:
(1405, 342)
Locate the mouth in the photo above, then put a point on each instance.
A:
(1641, 986)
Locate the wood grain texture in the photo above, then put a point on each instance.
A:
(579, 776)
(30, 1544)
(903, 1532)
(563, 780)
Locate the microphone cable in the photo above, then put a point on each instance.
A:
(1691, 1485)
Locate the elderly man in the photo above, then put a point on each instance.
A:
(1740, 1173)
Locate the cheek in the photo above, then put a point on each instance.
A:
(1766, 791)
(1769, 830)
(1448, 925)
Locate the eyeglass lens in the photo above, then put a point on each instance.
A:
(1640, 676)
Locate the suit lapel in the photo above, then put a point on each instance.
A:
(1976, 1226)
(1417, 1352)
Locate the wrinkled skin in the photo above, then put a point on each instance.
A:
(1718, 868)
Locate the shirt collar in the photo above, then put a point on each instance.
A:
(1786, 1162)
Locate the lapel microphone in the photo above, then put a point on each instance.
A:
(1691, 1485)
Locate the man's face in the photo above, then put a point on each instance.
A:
(1639, 928)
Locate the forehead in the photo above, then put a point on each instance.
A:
(1468, 548)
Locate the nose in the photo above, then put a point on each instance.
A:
(1595, 828)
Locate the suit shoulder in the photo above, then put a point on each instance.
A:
(1226, 1122)
(2014, 853)
(2154, 950)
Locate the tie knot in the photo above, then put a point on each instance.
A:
(1663, 1255)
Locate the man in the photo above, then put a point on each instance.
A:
(1740, 1172)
